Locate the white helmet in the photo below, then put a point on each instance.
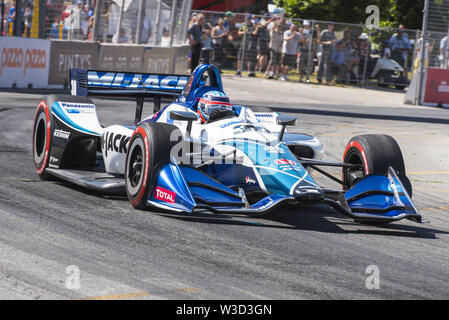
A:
(210, 101)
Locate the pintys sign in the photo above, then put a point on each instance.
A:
(24, 62)
(66, 55)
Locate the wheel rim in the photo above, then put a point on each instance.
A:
(352, 175)
(40, 138)
(135, 167)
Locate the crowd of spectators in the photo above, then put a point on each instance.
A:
(273, 46)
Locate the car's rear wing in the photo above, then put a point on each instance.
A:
(139, 85)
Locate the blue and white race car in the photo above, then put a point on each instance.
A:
(202, 153)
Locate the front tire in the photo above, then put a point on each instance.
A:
(375, 153)
(42, 136)
(148, 148)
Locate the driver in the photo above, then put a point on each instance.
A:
(214, 105)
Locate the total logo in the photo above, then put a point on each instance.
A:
(248, 180)
(164, 195)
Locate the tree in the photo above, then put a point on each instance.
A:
(392, 12)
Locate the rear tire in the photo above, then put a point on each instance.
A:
(375, 153)
(149, 147)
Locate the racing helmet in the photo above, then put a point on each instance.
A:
(211, 101)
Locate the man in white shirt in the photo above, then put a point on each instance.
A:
(289, 48)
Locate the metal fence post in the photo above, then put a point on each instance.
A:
(140, 16)
(365, 64)
(97, 17)
(3, 16)
(156, 34)
(414, 55)
(446, 53)
(243, 44)
(18, 20)
(309, 54)
(172, 22)
(181, 24)
(423, 50)
(186, 20)
(120, 19)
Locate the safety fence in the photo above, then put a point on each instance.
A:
(161, 23)
(254, 44)
(44, 63)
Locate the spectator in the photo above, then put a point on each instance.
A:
(400, 45)
(12, 16)
(207, 31)
(218, 33)
(250, 56)
(263, 39)
(327, 40)
(443, 57)
(351, 59)
(195, 36)
(228, 19)
(303, 63)
(75, 19)
(290, 44)
(27, 18)
(274, 48)
(429, 48)
(122, 37)
(227, 42)
(338, 60)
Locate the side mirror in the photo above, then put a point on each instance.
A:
(285, 121)
(184, 116)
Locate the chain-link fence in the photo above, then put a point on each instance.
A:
(161, 23)
(255, 45)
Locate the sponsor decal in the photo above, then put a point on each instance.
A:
(273, 149)
(164, 195)
(249, 180)
(263, 115)
(53, 159)
(61, 134)
(23, 59)
(78, 108)
(136, 80)
(285, 161)
(115, 142)
(227, 124)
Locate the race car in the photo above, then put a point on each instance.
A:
(202, 153)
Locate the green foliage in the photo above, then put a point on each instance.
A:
(392, 12)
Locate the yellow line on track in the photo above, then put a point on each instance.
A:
(118, 296)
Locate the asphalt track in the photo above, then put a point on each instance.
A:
(307, 253)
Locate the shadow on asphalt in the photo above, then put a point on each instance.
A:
(319, 218)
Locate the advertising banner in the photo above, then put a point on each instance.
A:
(158, 60)
(128, 58)
(436, 91)
(71, 54)
(24, 62)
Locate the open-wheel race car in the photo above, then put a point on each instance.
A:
(202, 153)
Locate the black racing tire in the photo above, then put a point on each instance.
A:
(148, 148)
(43, 128)
(375, 153)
